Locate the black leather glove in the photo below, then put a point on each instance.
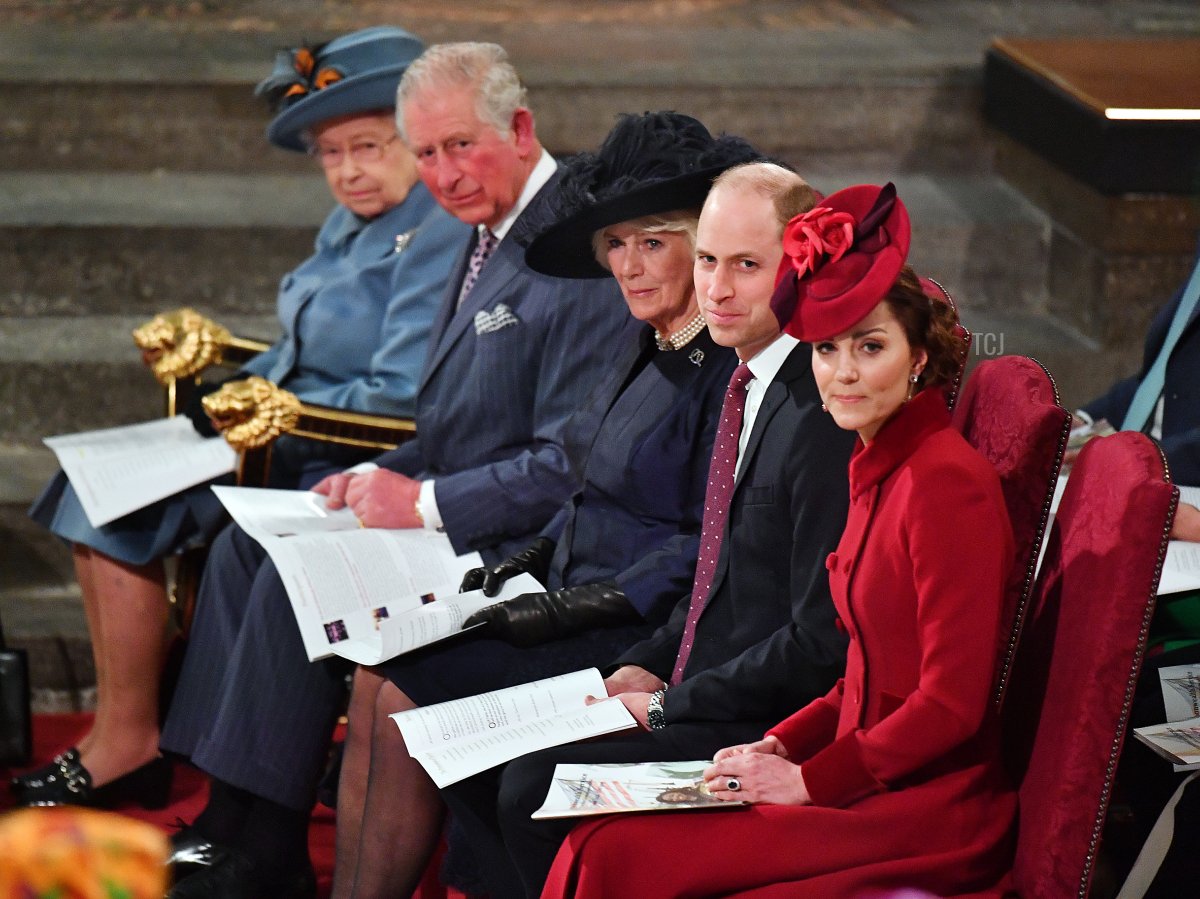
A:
(535, 560)
(194, 409)
(533, 618)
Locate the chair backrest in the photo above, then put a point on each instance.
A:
(935, 291)
(1009, 411)
(1072, 681)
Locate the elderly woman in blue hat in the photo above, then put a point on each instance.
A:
(355, 319)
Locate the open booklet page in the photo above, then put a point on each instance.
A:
(393, 635)
(602, 789)
(1176, 741)
(1180, 686)
(454, 740)
(116, 471)
(1181, 566)
(341, 579)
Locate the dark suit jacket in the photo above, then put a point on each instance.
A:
(504, 373)
(766, 643)
(642, 499)
(1181, 398)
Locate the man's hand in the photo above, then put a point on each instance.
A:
(1187, 523)
(379, 498)
(632, 679)
(636, 703)
(384, 499)
(333, 488)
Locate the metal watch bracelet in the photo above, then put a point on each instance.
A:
(656, 718)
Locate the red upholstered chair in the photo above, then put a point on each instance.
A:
(1009, 411)
(934, 290)
(1073, 675)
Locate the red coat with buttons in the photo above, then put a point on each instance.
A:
(902, 756)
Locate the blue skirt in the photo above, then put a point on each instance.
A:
(168, 526)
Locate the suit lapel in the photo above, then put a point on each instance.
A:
(501, 268)
(794, 367)
(447, 308)
(777, 392)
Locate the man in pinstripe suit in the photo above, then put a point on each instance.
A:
(512, 353)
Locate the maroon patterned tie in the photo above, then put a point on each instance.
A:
(483, 249)
(716, 505)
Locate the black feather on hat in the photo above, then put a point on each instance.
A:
(649, 164)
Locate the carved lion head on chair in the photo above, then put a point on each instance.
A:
(180, 344)
(252, 413)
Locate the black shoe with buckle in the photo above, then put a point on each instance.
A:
(35, 778)
(233, 875)
(71, 784)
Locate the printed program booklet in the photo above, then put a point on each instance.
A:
(116, 471)
(454, 740)
(345, 581)
(604, 789)
(1176, 741)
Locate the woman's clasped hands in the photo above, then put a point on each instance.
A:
(760, 772)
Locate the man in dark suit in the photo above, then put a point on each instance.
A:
(512, 354)
(765, 643)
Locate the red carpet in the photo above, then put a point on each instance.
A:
(189, 793)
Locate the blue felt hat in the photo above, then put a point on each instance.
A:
(355, 73)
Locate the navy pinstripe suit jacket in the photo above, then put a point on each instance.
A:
(505, 371)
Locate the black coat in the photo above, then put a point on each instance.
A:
(766, 643)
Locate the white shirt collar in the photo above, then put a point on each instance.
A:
(542, 172)
(766, 363)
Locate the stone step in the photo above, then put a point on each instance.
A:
(66, 374)
(77, 244)
(878, 89)
(73, 244)
(864, 83)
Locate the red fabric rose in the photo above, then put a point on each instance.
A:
(816, 237)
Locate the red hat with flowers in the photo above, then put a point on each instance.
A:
(840, 259)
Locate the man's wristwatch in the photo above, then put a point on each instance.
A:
(655, 717)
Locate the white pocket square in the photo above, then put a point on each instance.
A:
(499, 317)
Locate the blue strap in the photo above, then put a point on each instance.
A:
(1148, 392)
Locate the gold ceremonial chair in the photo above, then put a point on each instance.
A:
(181, 346)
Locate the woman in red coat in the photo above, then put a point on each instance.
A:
(893, 781)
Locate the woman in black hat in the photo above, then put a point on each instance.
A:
(623, 550)
(355, 317)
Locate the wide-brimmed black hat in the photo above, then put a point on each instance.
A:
(356, 73)
(649, 164)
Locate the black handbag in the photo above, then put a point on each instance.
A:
(16, 725)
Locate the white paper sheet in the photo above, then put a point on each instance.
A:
(1181, 691)
(116, 471)
(429, 623)
(343, 580)
(454, 740)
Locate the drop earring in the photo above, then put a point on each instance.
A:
(912, 386)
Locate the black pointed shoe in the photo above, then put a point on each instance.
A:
(233, 875)
(21, 782)
(71, 784)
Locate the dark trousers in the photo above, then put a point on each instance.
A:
(249, 708)
(492, 810)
